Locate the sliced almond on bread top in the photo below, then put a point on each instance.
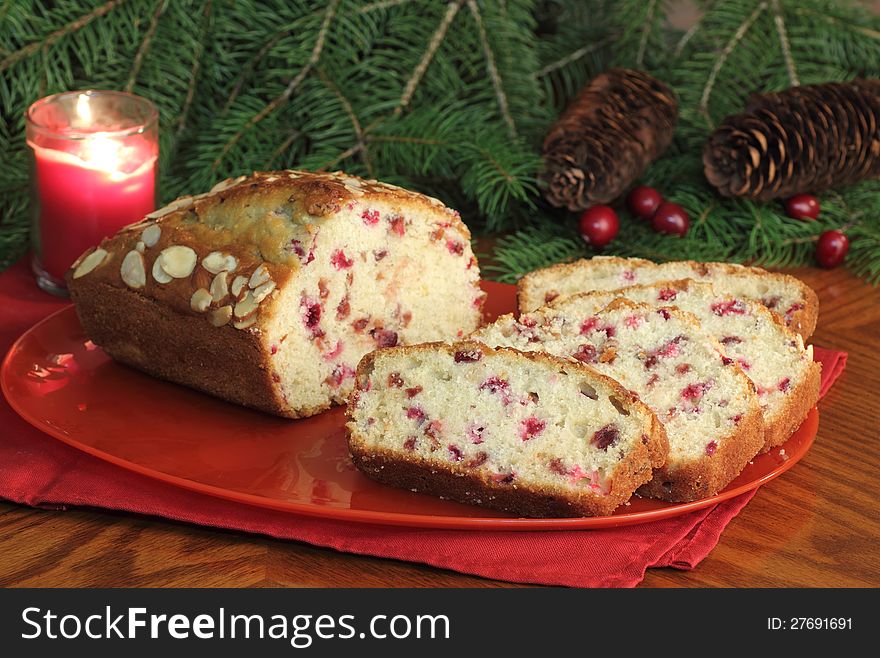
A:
(789, 297)
(528, 433)
(708, 406)
(772, 356)
(268, 290)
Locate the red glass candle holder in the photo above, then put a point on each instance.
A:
(93, 171)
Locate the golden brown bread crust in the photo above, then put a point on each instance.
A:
(162, 327)
(176, 293)
(217, 221)
(559, 271)
(452, 481)
(803, 398)
(468, 488)
(800, 401)
(658, 445)
(154, 338)
(709, 474)
(155, 328)
(802, 321)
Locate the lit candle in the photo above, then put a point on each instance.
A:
(94, 171)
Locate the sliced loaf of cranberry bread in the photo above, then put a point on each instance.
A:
(770, 354)
(708, 406)
(789, 297)
(269, 289)
(531, 434)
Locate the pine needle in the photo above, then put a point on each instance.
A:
(161, 6)
(70, 28)
(279, 100)
(411, 92)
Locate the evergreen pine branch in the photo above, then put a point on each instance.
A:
(195, 69)
(492, 69)
(436, 39)
(248, 68)
(646, 32)
(49, 40)
(839, 22)
(735, 39)
(510, 30)
(689, 33)
(863, 257)
(282, 98)
(533, 248)
(643, 33)
(578, 40)
(784, 43)
(283, 147)
(161, 6)
(360, 146)
(381, 4)
(345, 155)
(7, 5)
(572, 57)
(402, 91)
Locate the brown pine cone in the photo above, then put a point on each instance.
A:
(803, 139)
(606, 137)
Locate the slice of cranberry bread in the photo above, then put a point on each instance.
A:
(708, 406)
(770, 354)
(269, 289)
(790, 298)
(530, 434)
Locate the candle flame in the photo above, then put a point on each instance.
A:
(110, 151)
(103, 153)
(83, 109)
(99, 151)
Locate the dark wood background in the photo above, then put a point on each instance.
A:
(816, 525)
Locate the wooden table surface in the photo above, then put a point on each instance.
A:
(817, 525)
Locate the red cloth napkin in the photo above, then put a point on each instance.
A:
(38, 470)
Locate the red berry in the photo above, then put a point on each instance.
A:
(643, 201)
(599, 225)
(671, 218)
(340, 261)
(605, 437)
(831, 248)
(384, 337)
(585, 354)
(802, 206)
(531, 427)
(694, 391)
(467, 356)
(417, 414)
(731, 306)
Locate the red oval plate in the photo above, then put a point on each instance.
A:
(65, 386)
